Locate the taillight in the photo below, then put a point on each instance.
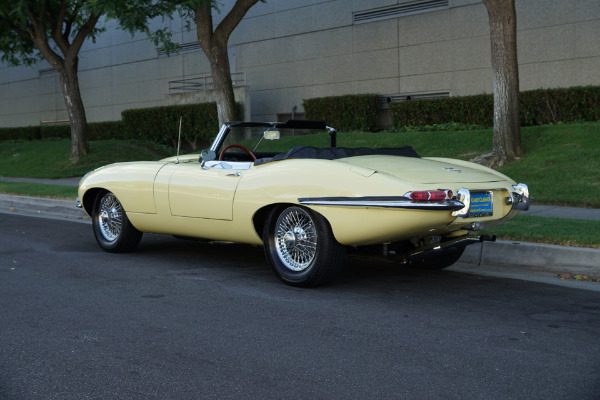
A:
(430, 195)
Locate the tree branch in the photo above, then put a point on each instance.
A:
(83, 33)
(61, 40)
(39, 38)
(20, 29)
(233, 18)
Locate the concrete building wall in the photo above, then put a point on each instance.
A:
(292, 50)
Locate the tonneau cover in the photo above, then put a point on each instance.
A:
(334, 153)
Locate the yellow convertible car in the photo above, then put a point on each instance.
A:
(306, 205)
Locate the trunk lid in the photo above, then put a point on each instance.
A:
(421, 170)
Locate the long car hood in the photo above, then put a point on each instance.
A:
(422, 170)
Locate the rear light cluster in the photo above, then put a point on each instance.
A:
(429, 195)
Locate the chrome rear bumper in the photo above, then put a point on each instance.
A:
(518, 198)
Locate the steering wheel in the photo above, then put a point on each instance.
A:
(239, 146)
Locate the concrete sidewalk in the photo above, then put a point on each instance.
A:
(65, 181)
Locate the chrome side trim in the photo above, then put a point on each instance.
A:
(79, 205)
(382, 202)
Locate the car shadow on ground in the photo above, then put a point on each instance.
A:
(250, 259)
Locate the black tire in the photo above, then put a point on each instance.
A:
(112, 229)
(437, 259)
(301, 248)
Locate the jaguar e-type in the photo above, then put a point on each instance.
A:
(306, 205)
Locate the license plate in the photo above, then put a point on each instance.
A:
(481, 205)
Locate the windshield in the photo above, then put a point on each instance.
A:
(253, 138)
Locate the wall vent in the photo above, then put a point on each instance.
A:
(182, 48)
(401, 10)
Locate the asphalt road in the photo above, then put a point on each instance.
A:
(186, 320)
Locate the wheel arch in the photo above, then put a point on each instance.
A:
(89, 197)
(260, 216)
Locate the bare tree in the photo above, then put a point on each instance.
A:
(507, 127)
(214, 44)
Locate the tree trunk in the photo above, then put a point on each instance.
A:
(507, 124)
(65, 65)
(219, 67)
(214, 44)
(69, 83)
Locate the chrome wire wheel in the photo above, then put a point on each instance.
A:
(296, 239)
(112, 229)
(110, 217)
(300, 246)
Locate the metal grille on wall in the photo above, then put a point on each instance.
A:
(203, 82)
(400, 10)
(182, 48)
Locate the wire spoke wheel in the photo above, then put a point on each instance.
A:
(296, 239)
(112, 229)
(110, 221)
(300, 247)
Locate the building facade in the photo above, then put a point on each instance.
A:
(286, 51)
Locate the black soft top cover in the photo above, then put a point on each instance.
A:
(333, 153)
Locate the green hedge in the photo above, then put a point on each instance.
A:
(96, 131)
(345, 113)
(200, 123)
(158, 124)
(544, 106)
(20, 133)
(471, 110)
(56, 131)
(537, 107)
(106, 130)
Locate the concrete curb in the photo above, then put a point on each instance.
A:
(535, 257)
(41, 206)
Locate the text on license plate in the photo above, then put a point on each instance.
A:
(481, 205)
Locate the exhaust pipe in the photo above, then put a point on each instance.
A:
(456, 243)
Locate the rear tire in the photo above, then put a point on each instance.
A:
(301, 248)
(112, 229)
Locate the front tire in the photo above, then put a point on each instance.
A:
(112, 229)
(301, 248)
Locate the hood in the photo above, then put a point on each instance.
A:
(422, 170)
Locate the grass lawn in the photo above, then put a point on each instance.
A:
(39, 190)
(50, 159)
(562, 231)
